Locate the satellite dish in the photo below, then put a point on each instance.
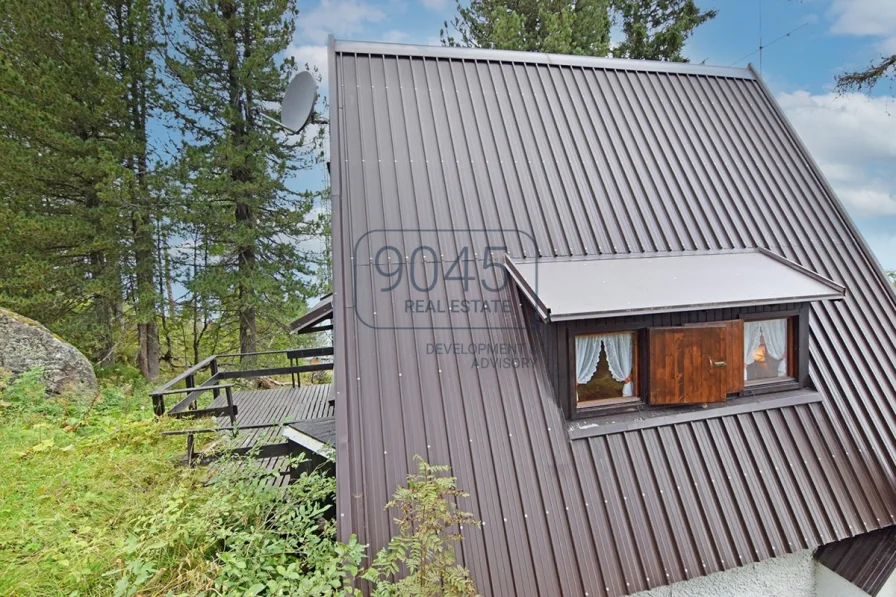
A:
(298, 103)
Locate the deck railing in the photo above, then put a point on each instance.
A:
(188, 407)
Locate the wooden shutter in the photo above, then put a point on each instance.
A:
(734, 359)
(686, 364)
(734, 352)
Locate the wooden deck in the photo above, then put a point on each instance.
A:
(274, 408)
(258, 415)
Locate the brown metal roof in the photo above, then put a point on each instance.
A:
(867, 560)
(564, 288)
(590, 156)
(321, 311)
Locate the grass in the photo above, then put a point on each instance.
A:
(75, 471)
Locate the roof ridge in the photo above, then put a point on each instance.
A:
(624, 64)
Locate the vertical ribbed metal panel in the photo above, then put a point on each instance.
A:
(594, 160)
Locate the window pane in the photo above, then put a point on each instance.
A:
(765, 349)
(605, 366)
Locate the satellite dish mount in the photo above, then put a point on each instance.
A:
(297, 109)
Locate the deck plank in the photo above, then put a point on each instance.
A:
(273, 408)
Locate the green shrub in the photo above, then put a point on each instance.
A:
(240, 536)
(429, 523)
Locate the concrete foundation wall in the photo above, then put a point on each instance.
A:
(831, 584)
(788, 576)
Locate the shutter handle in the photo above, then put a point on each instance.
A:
(718, 363)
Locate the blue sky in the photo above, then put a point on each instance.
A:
(852, 136)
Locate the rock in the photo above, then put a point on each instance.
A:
(26, 344)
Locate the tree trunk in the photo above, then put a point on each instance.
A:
(246, 257)
(241, 174)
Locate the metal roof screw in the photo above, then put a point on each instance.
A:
(546, 512)
(342, 514)
(440, 370)
(428, 446)
(525, 516)
(384, 452)
(505, 520)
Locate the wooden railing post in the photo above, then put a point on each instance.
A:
(229, 394)
(214, 368)
(190, 449)
(158, 405)
(191, 383)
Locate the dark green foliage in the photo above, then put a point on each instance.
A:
(107, 220)
(233, 198)
(62, 140)
(654, 29)
(557, 26)
(657, 29)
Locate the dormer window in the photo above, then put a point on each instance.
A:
(633, 332)
(767, 344)
(605, 368)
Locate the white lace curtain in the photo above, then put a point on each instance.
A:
(774, 332)
(620, 357)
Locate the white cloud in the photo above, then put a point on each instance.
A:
(853, 138)
(872, 18)
(313, 57)
(339, 17)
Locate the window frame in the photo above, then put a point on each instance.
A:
(798, 336)
(639, 376)
(635, 376)
(798, 319)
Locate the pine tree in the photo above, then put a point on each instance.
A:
(60, 172)
(134, 27)
(556, 26)
(226, 59)
(654, 29)
(657, 29)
